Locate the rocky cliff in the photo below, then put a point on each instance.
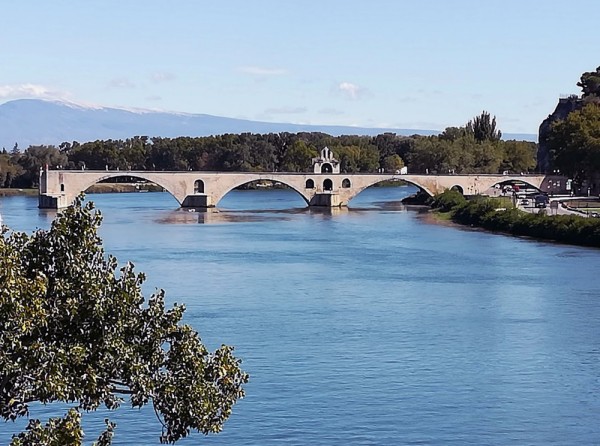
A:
(564, 107)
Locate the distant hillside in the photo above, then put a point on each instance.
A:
(34, 122)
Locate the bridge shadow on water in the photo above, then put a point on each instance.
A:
(218, 215)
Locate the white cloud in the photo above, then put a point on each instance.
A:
(262, 71)
(121, 82)
(350, 90)
(30, 91)
(37, 91)
(162, 77)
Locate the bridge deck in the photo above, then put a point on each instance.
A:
(58, 188)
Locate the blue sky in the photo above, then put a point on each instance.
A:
(422, 64)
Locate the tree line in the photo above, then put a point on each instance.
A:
(473, 148)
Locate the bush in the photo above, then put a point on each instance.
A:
(448, 200)
(482, 212)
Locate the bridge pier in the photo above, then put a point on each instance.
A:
(325, 200)
(197, 201)
(46, 201)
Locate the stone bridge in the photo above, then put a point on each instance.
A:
(198, 189)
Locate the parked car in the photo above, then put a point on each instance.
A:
(541, 201)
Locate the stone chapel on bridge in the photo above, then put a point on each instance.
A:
(326, 163)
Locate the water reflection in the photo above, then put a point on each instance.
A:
(219, 216)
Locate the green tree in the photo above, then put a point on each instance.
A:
(9, 170)
(487, 157)
(483, 128)
(297, 157)
(574, 144)
(453, 133)
(518, 156)
(75, 330)
(36, 158)
(349, 157)
(457, 150)
(369, 158)
(448, 200)
(434, 155)
(392, 163)
(590, 84)
(134, 152)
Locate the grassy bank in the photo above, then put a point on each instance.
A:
(493, 215)
(10, 192)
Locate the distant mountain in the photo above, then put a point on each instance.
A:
(34, 122)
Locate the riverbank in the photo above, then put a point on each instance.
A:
(10, 192)
(431, 216)
(493, 215)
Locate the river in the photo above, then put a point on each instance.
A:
(367, 325)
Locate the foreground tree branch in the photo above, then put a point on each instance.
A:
(76, 330)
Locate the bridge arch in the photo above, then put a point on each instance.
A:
(327, 184)
(512, 180)
(415, 183)
(237, 184)
(90, 182)
(355, 191)
(310, 184)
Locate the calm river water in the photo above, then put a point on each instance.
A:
(368, 325)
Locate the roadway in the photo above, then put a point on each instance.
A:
(560, 208)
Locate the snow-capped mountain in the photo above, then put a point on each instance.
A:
(34, 122)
